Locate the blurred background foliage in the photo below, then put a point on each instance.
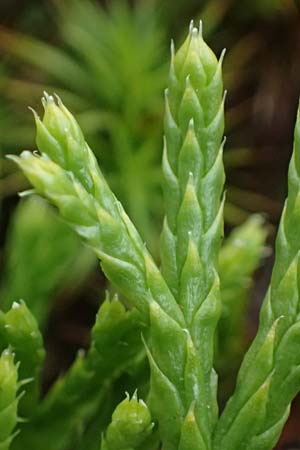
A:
(109, 63)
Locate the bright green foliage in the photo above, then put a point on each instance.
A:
(8, 398)
(177, 309)
(76, 396)
(130, 426)
(74, 183)
(42, 257)
(20, 331)
(193, 183)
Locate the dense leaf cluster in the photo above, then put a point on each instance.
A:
(182, 316)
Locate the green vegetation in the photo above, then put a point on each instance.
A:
(181, 320)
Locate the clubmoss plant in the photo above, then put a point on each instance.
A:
(174, 311)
